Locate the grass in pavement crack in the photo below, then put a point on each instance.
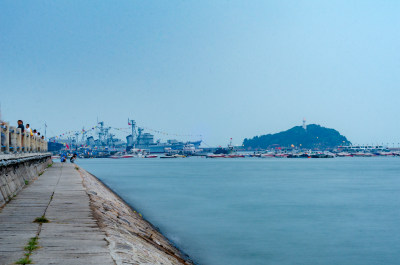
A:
(31, 246)
(41, 220)
(33, 242)
(25, 260)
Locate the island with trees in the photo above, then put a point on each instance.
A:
(312, 136)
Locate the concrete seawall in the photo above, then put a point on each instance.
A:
(16, 171)
(64, 215)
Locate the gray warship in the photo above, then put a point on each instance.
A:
(144, 140)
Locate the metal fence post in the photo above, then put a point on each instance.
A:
(7, 133)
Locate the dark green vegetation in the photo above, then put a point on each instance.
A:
(41, 220)
(49, 165)
(26, 182)
(314, 137)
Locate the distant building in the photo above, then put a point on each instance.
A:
(304, 124)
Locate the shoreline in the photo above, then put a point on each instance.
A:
(131, 238)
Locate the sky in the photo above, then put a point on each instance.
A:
(220, 69)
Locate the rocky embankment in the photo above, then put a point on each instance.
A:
(132, 240)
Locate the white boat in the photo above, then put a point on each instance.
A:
(150, 156)
(215, 156)
(267, 155)
(121, 155)
(343, 154)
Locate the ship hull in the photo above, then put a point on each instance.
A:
(162, 148)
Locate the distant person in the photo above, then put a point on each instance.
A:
(73, 158)
(38, 133)
(21, 125)
(63, 158)
(28, 129)
(34, 132)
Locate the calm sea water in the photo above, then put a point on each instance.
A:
(266, 211)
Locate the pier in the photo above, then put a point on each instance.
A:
(71, 235)
(57, 213)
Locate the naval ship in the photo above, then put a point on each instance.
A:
(144, 140)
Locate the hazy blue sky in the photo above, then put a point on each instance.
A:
(218, 68)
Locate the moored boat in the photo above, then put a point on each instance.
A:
(233, 156)
(215, 156)
(343, 154)
(267, 155)
(150, 156)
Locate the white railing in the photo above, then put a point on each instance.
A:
(20, 142)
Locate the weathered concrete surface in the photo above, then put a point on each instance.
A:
(16, 169)
(71, 237)
(89, 224)
(132, 239)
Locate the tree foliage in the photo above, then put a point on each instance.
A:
(314, 137)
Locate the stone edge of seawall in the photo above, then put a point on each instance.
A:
(130, 236)
(16, 159)
(16, 171)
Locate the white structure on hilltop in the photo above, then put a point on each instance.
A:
(304, 124)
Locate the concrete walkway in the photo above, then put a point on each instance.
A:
(71, 237)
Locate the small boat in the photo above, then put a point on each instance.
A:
(343, 154)
(385, 153)
(233, 156)
(321, 155)
(168, 156)
(150, 156)
(267, 155)
(121, 155)
(215, 156)
(299, 155)
(363, 154)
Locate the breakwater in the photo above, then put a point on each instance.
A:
(17, 171)
(72, 218)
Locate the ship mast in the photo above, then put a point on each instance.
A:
(132, 123)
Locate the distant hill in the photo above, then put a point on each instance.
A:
(314, 137)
